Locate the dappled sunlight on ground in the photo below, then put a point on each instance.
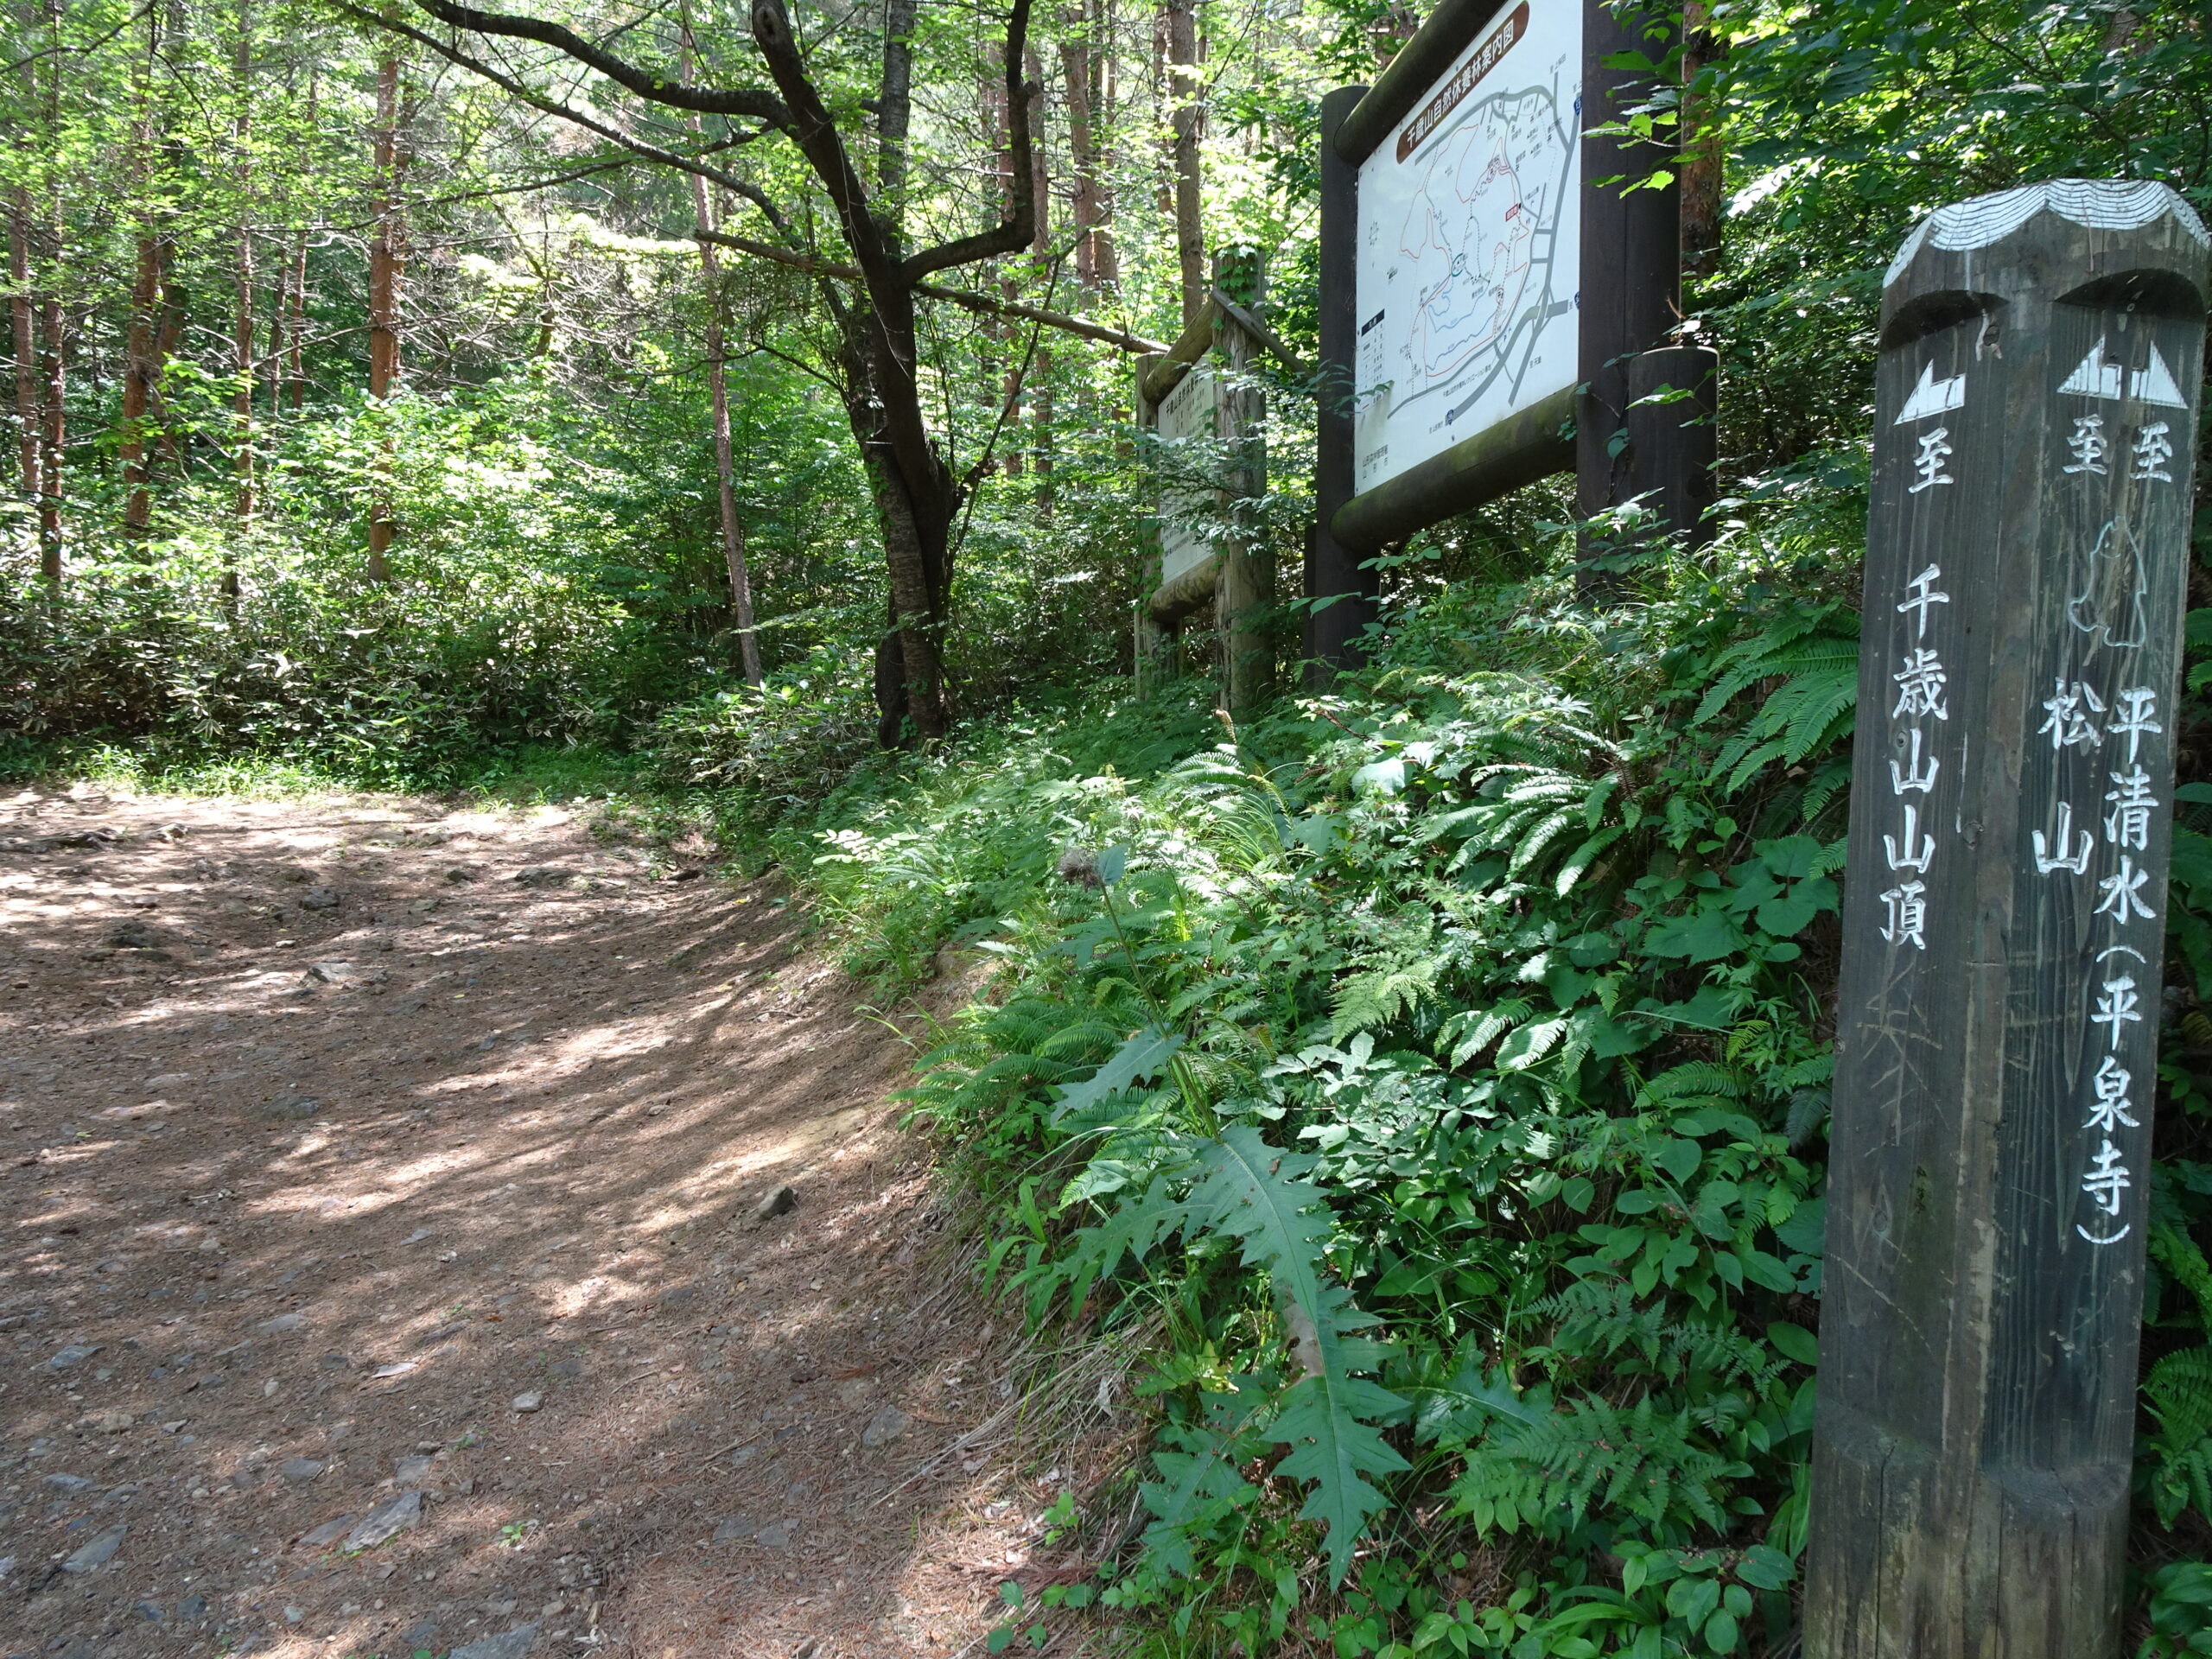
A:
(355, 1150)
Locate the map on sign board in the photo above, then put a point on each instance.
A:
(1469, 245)
(1189, 417)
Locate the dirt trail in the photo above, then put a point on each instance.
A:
(368, 1164)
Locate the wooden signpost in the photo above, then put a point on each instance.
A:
(1495, 306)
(1202, 397)
(2036, 421)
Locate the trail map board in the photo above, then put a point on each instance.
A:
(1190, 418)
(1468, 248)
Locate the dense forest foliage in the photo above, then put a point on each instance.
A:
(1424, 1078)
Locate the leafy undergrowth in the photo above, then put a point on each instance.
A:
(1443, 1065)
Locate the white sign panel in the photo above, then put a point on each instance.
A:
(1470, 245)
(1191, 411)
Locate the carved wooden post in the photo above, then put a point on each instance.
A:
(1997, 1028)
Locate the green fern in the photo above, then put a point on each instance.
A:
(2178, 1253)
(2178, 1393)
(1601, 1321)
(1812, 708)
(1640, 1462)
(1375, 997)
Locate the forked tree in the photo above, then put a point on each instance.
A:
(871, 299)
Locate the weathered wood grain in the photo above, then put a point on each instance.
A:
(1978, 1344)
(1333, 570)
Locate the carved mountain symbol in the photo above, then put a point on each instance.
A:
(2155, 384)
(1932, 397)
(2093, 377)
(2105, 595)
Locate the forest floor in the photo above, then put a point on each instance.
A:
(398, 1256)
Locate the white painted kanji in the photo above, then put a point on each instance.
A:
(1920, 687)
(1907, 908)
(2073, 715)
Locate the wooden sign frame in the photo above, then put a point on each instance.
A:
(1621, 425)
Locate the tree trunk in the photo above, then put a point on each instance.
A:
(280, 311)
(1095, 265)
(1187, 126)
(22, 312)
(387, 269)
(1105, 71)
(895, 108)
(53, 332)
(242, 328)
(741, 578)
(52, 339)
(1701, 156)
(167, 339)
(1010, 332)
(1040, 402)
(916, 609)
(144, 327)
(139, 377)
(295, 372)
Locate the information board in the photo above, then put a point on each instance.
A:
(1468, 252)
(1191, 411)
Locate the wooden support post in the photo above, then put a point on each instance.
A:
(1244, 594)
(1989, 1173)
(1152, 643)
(1334, 571)
(1673, 440)
(1630, 269)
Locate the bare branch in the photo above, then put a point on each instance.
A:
(706, 100)
(1019, 228)
(524, 93)
(85, 50)
(1105, 333)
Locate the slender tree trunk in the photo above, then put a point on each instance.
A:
(23, 314)
(1078, 60)
(1010, 333)
(280, 310)
(138, 374)
(1104, 66)
(387, 268)
(741, 578)
(145, 304)
(1701, 156)
(168, 339)
(241, 329)
(1187, 126)
(296, 370)
(53, 340)
(52, 336)
(1040, 402)
(893, 112)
